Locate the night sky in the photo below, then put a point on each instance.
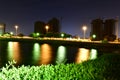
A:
(74, 13)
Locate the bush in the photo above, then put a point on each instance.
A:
(106, 67)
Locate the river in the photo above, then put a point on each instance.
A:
(38, 54)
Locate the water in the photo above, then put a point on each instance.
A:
(37, 54)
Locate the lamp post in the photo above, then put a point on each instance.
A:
(117, 22)
(84, 30)
(46, 27)
(62, 35)
(16, 30)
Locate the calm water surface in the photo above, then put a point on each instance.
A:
(37, 54)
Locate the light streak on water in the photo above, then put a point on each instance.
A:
(36, 52)
(46, 54)
(82, 55)
(13, 51)
(93, 54)
(61, 54)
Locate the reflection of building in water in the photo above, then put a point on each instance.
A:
(85, 54)
(46, 54)
(82, 55)
(61, 54)
(14, 51)
(93, 54)
(36, 52)
(2, 28)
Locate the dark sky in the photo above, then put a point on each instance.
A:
(74, 13)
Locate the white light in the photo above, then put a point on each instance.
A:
(16, 29)
(46, 27)
(61, 54)
(93, 54)
(84, 30)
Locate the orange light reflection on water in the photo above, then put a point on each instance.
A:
(46, 54)
(82, 55)
(14, 51)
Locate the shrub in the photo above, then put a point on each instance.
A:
(106, 67)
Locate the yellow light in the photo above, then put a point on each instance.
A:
(16, 27)
(46, 54)
(82, 55)
(1, 26)
(84, 28)
(47, 27)
(14, 51)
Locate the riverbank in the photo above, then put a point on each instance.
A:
(106, 67)
(111, 46)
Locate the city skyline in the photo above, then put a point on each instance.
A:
(74, 14)
(104, 29)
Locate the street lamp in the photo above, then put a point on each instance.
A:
(46, 27)
(62, 35)
(117, 22)
(93, 36)
(84, 30)
(11, 33)
(16, 29)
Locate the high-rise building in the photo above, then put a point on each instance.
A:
(39, 27)
(97, 29)
(109, 26)
(2, 28)
(109, 29)
(54, 25)
(103, 29)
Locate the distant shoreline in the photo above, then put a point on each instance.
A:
(88, 45)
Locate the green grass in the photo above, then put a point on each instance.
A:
(106, 67)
